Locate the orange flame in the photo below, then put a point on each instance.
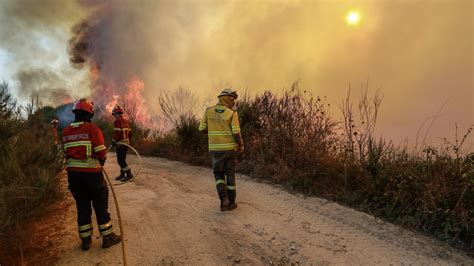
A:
(136, 103)
(107, 96)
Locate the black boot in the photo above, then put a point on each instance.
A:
(232, 206)
(128, 176)
(225, 204)
(110, 240)
(121, 176)
(86, 243)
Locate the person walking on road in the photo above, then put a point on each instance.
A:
(221, 122)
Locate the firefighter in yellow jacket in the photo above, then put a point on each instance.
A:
(222, 125)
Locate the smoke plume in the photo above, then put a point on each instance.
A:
(32, 35)
(419, 53)
(114, 64)
(44, 85)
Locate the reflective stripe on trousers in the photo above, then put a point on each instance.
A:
(89, 189)
(223, 165)
(122, 157)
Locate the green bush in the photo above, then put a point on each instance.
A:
(30, 163)
(185, 143)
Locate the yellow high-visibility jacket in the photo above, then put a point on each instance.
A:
(221, 123)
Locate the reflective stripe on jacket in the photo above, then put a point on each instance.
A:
(122, 130)
(221, 123)
(84, 147)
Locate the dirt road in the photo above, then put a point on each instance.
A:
(171, 217)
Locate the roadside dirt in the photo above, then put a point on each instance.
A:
(171, 217)
(35, 242)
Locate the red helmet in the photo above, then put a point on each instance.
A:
(84, 105)
(117, 110)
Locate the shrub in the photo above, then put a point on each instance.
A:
(292, 139)
(29, 166)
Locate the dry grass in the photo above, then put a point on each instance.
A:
(293, 140)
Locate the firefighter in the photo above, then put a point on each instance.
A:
(54, 130)
(221, 123)
(122, 135)
(85, 155)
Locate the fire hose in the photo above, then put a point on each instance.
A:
(139, 164)
(124, 253)
(122, 233)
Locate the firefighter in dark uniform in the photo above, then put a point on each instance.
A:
(122, 135)
(85, 155)
(221, 122)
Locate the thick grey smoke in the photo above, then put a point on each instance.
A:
(32, 36)
(44, 85)
(101, 42)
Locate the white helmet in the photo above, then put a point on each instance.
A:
(228, 92)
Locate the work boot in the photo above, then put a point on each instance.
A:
(86, 243)
(110, 240)
(225, 204)
(121, 176)
(232, 206)
(128, 176)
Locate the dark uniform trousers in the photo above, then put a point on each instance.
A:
(87, 188)
(122, 157)
(223, 165)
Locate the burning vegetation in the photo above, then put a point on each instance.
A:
(111, 85)
(290, 139)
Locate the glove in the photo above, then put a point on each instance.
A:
(241, 149)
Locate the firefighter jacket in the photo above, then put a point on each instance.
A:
(84, 147)
(221, 123)
(122, 131)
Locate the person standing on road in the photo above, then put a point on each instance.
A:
(122, 135)
(85, 155)
(221, 122)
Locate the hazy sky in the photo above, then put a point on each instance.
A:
(420, 53)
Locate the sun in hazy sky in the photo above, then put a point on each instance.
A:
(353, 18)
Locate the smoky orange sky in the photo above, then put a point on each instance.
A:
(419, 53)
